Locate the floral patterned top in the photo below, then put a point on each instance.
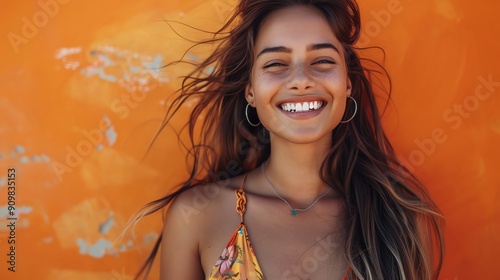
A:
(238, 260)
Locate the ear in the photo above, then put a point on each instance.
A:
(349, 87)
(249, 95)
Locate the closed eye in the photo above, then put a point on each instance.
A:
(324, 61)
(274, 64)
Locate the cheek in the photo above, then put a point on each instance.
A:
(336, 76)
(339, 106)
(265, 86)
(337, 85)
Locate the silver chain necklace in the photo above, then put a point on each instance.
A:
(293, 210)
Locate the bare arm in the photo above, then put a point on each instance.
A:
(180, 257)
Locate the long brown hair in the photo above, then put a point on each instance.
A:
(393, 228)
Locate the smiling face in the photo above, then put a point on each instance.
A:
(299, 83)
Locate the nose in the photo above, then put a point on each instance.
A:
(300, 78)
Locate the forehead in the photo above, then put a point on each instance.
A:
(294, 27)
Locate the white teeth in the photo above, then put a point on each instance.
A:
(301, 107)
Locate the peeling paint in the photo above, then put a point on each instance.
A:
(110, 133)
(82, 245)
(24, 159)
(131, 70)
(209, 70)
(106, 225)
(4, 212)
(63, 52)
(45, 158)
(192, 57)
(150, 237)
(85, 216)
(19, 149)
(97, 250)
(126, 246)
(156, 64)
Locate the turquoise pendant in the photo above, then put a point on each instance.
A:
(294, 213)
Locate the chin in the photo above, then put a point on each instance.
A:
(306, 136)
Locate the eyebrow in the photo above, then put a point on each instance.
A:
(312, 47)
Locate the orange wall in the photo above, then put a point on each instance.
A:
(80, 99)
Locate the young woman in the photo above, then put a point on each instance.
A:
(292, 176)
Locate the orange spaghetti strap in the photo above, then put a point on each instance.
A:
(348, 275)
(241, 200)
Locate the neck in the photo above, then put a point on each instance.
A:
(294, 169)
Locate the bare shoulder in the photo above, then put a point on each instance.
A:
(189, 220)
(195, 205)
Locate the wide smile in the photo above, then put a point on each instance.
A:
(298, 107)
(302, 109)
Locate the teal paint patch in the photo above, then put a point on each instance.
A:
(82, 246)
(110, 133)
(133, 69)
(150, 237)
(45, 158)
(192, 57)
(209, 70)
(24, 159)
(4, 211)
(97, 250)
(156, 64)
(19, 149)
(106, 225)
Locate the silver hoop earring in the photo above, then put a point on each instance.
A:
(355, 110)
(246, 115)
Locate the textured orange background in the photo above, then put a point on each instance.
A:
(80, 98)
